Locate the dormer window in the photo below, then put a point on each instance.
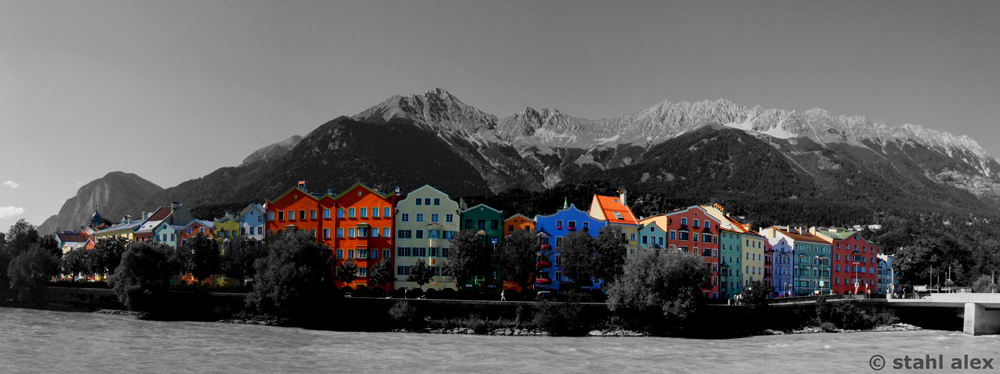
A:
(618, 215)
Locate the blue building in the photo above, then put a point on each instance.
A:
(886, 276)
(781, 265)
(552, 229)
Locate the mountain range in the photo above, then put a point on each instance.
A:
(711, 149)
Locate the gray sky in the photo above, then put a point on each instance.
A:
(172, 90)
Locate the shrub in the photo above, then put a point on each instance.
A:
(294, 274)
(478, 324)
(560, 319)
(447, 293)
(415, 293)
(405, 316)
(828, 327)
(431, 293)
(984, 285)
(30, 272)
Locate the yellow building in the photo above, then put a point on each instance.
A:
(750, 247)
(615, 211)
(226, 229)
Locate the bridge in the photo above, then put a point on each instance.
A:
(982, 310)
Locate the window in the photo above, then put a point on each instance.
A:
(444, 252)
(706, 238)
(420, 217)
(683, 235)
(510, 229)
(433, 234)
(326, 233)
(350, 253)
(385, 253)
(448, 234)
(434, 217)
(362, 253)
(427, 201)
(632, 237)
(481, 224)
(374, 253)
(340, 232)
(494, 224)
(385, 212)
(449, 217)
(374, 212)
(402, 270)
(419, 252)
(326, 213)
(340, 213)
(363, 212)
(184, 242)
(362, 232)
(405, 217)
(270, 216)
(312, 214)
(420, 201)
(420, 234)
(694, 237)
(435, 252)
(189, 231)
(673, 235)
(404, 234)
(437, 270)
(281, 215)
(340, 253)
(350, 212)
(684, 221)
(694, 224)
(260, 230)
(375, 232)
(350, 233)
(586, 225)
(385, 232)
(362, 272)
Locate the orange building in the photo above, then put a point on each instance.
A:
(357, 224)
(517, 222)
(192, 229)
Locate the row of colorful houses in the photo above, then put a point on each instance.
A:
(368, 226)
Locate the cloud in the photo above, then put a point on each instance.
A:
(79, 183)
(11, 184)
(10, 211)
(62, 201)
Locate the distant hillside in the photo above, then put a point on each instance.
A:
(115, 195)
(272, 151)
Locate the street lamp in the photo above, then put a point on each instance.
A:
(854, 256)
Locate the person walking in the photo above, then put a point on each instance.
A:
(502, 296)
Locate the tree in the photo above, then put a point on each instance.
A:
(755, 296)
(420, 273)
(142, 276)
(50, 244)
(20, 237)
(30, 273)
(381, 274)
(237, 260)
(610, 250)
(75, 262)
(517, 256)
(106, 255)
(469, 256)
(204, 256)
(294, 273)
(661, 289)
(347, 272)
(577, 257)
(984, 285)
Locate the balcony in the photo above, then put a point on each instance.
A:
(571, 228)
(543, 264)
(543, 281)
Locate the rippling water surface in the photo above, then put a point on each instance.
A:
(63, 342)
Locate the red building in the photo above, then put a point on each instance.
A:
(855, 261)
(356, 224)
(694, 230)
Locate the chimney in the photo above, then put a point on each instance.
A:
(622, 195)
(174, 205)
(302, 185)
(128, 219)
(143, 216)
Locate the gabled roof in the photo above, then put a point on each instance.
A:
(801, 237)
(290, 190)
(570, 207)
(654, 224)
(362, 185)
(614, 211)
(160, 214)
(227, 217)
(524, 217)
(483, 205)
(250, 206)
(207, 224)
(71, 238)
(121, 227)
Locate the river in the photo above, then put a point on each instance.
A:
(35, 341)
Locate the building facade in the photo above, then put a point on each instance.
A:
(252, 221)
(426, 220)
(811, 259)
(695, 231)
(225, 230)
(781, 254)
(886, 276)
(554, 228)
(855, 265)
(517, 222)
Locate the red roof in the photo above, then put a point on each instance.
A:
(804, 237)
(75, 238)
(610, 205)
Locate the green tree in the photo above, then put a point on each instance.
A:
(20, 237)
(106, 255)
(756, 295)
(420, 273)
(50, 244)
(30, 273)
(381, 274)
(142, 276)
(347, 272)
(75, 262)
(468, 257)
(661, 289)
(295, 273)
(984, 285)
(576, 253)
(610, 250)
(204, 257)
(238, 259)
(517, 256)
